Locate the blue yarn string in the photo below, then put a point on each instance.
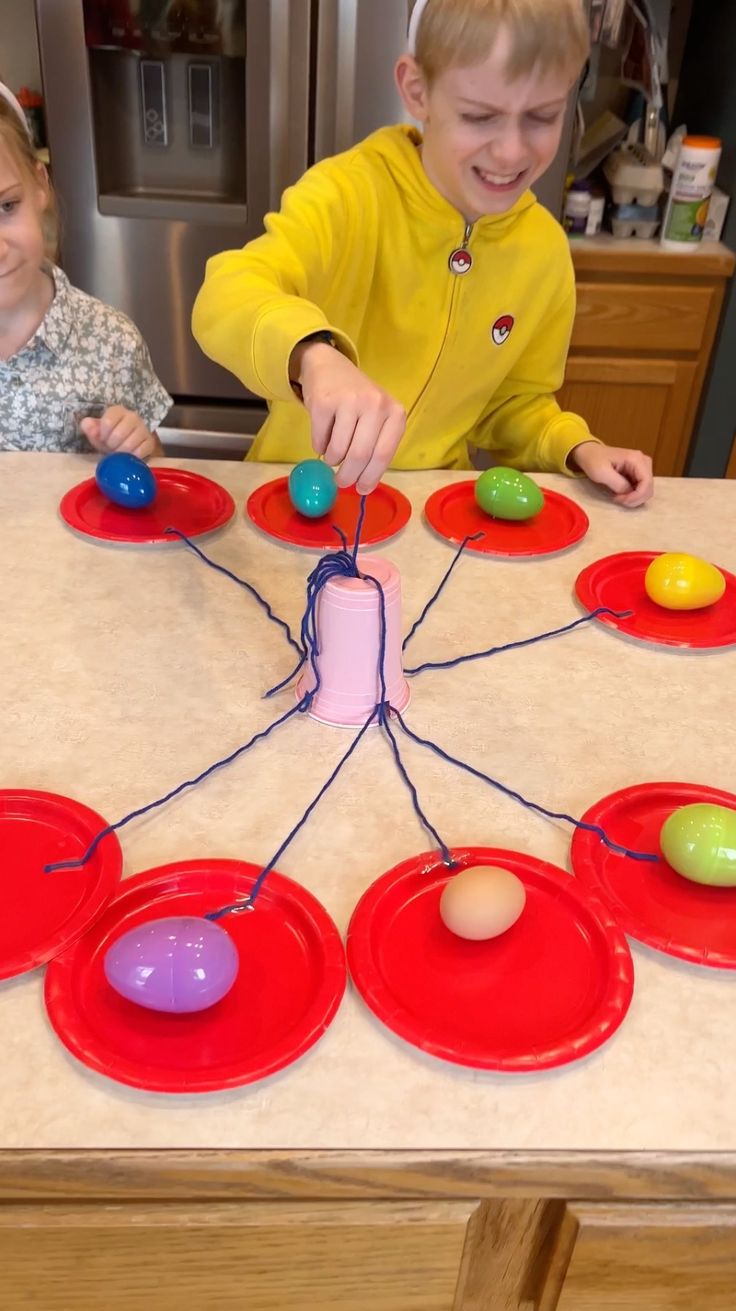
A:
(474, 537)
(190, 783)
(343, 539)
(516, 796)
(515, 646)
(384, 710)
(447, 858)
(272, 691)
(220, 569)
(247, 904)
(339, 564)
(359, 529)
(335, 564)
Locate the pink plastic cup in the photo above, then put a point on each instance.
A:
(349, 636)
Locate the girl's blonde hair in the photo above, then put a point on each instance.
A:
(544, 34)
(18, 142)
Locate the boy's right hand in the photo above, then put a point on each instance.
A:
(355, 423)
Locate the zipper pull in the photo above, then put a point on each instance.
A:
(461, 260)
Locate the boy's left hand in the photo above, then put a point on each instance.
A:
(628, 474)
(121, 430)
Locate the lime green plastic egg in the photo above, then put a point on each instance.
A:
(508, 494)
(683, 582)
(700, 843)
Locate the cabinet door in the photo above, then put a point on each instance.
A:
(218, 1257)
(644, 404)
(658, 1257)
(641, 316)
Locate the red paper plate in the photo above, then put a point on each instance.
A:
(454, 513)
(550, 990)
(290, 984)
(651, 902)
(387, 512)
(187, 501)
(617, 581)
(43, 913)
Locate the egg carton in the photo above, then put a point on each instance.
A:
(625, 228)
(639, 221)
(634, 176)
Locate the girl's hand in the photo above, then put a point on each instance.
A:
(121, 430)
(355, 423)
(628, 474)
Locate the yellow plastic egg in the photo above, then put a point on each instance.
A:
(683, 582)
(482, 902)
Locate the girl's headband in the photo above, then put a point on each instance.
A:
(8, 96)
(417, 14)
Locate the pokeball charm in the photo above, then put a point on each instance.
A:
(461, 261)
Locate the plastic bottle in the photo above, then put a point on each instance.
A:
(596, 212)
(692, 186)
(577, 209)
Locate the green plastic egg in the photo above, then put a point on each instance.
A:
(700, 843)
(508, 494)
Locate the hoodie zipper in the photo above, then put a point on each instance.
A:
(461, 260)
(464, 248)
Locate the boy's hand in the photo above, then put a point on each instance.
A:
(628, 474)
(121, 430)
(355, 423)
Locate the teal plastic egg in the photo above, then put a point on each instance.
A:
(312, 488)
(700, 843)
(508, 494)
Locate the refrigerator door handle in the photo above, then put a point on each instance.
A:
(288, 96)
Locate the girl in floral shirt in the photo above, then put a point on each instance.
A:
(74, 373)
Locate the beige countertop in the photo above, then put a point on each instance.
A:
(616, 255)
(125, 671)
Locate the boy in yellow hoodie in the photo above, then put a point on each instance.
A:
(411, 291)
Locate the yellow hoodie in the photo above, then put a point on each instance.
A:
(362, 246)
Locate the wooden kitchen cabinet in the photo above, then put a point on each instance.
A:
(644, 332)
(399, 1256)
(643, 1258)
(215, 1231)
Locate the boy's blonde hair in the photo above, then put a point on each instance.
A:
(16, 139)
(544, 34)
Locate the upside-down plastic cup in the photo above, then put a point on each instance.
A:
(349, 639)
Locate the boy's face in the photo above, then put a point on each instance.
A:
(487, 138)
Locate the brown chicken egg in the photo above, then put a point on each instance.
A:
(482, 902)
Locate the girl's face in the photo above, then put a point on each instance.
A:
(22, 204)
(488, 138)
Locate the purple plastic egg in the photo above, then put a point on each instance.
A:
(180, 965)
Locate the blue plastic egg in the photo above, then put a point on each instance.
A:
(126, 480)
(312, 488)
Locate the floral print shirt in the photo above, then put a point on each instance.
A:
(84, 357)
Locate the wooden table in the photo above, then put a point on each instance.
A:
(366, 1176)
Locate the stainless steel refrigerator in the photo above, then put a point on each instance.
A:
(174, 125)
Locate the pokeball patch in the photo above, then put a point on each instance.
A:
(501, 330)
